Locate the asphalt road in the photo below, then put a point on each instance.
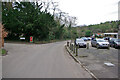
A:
(40, 61)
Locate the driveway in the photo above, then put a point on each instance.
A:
(40, 61)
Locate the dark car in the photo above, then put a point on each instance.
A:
(112, 42)
(89, 38)
(106, 38)
(115, 43)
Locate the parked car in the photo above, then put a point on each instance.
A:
(115, 43)
(107, 38)
(89, 38)
(112, 42)
(99, 43)
(80, 43)
(84, 38)
(92, 38)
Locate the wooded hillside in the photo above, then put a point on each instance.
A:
(107, 27)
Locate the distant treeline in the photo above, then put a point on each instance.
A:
(107, 27)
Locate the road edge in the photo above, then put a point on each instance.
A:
(70, 53)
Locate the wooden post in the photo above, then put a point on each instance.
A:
(87, 45)
(70, 45)
(67, 44)
(109, 46)
(76, 50)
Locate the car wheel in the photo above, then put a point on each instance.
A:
(92, 45)
(115, 46)
(108, 47)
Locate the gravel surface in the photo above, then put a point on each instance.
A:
(95, 58)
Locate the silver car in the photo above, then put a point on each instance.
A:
(99, 43)
(80, 43)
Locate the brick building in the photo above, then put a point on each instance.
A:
(3, 34)
(0, 35)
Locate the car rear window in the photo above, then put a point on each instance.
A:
(79, 40)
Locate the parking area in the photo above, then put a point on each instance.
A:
(96, 59)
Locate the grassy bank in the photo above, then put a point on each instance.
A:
(4, 52)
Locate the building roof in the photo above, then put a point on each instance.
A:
(111, 33)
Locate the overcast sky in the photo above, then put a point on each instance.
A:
(90, 11)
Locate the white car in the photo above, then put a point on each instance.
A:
(99, 43)
(80, 43)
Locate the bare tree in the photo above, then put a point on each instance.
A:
(62, 17)
(54, 6)
(72, 21)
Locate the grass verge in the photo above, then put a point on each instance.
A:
(4, 52)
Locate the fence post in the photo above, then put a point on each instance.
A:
(72, 47)
(67, 44)
(76, 50)
(108, 46)
(87, 45)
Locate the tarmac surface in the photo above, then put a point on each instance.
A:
(40, 61)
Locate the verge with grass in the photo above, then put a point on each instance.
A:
(4, 52)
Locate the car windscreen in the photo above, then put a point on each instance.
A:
(118, 40)
(101, 41)
(84, 38)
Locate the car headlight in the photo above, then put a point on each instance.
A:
(99, 43)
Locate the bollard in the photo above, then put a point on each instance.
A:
(87, 45)
(76, 50)
(108, 47)
(68, 44)
(72, 47)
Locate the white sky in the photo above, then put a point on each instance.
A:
(90, 11)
